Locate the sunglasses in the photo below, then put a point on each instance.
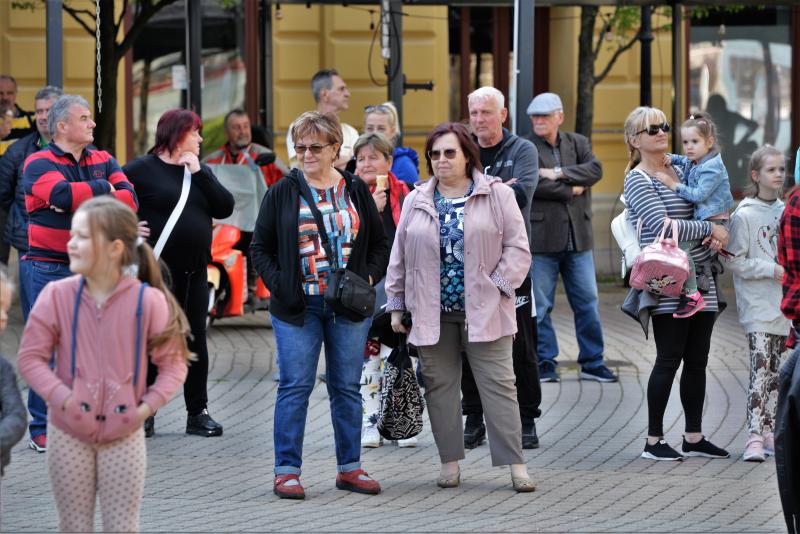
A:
(380, 107)
(315, 149)
(449, 153)
(654, 128)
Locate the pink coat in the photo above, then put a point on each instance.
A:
(105, 344)
(496, 261)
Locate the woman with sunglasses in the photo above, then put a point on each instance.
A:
(382, 119)
(686, 340)
(460, 250)
(290, 257)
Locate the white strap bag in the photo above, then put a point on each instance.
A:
(175, 215)
(627, 238)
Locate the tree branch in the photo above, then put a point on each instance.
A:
(74, 14)
(618, 52)
(146, 13)
(121, 20)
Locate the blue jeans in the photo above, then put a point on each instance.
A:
(298, 354)
(578, 273)
(40, 273)
(24, 282)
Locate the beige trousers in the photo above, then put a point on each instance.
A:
(494, 375)
(80, 471)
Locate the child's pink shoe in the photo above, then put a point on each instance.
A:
(754, 449)
(689, 305)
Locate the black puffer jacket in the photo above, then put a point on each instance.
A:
(787, 441)
(13, 415)
(275, 243)
(12, 196)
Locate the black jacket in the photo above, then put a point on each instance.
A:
(787, 441)
(12, 195)
(13, 416)
(554, 206)
(275, 241)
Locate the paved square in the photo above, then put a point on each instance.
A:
(588, 471)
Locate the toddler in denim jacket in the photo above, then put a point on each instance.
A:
(706, 185)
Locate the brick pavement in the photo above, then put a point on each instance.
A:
(588, 471)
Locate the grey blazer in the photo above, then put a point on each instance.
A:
(554, 206)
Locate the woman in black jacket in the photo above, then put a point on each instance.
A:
(289, 256)
(158, 178)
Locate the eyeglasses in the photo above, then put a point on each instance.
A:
(449, 153)
(380, 108)
(654, 128)
(315, 149)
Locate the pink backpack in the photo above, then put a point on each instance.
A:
(661, 267)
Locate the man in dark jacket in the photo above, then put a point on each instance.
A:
(561, 239)
(787, 441)
(12, 195)
(514, 160)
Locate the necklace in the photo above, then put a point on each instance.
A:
(770, 201)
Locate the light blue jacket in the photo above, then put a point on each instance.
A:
(706, 185)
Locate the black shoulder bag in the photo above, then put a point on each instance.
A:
(400, 416)
(347, 293)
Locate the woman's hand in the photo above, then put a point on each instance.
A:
(379, 196)
(190, 160)
(144, 230)
(397, 323)
(718, 238)
(667, 179)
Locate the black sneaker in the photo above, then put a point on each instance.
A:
(203, 425)
(474, 431)
(547, 371)
(661, 451)
(598, 374)
(703, 448)
(529, 438)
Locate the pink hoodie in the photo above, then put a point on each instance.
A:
(496, 261)
(106, 339)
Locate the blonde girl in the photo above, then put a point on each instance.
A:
(757, 280)
(382, 119)
(102, 323)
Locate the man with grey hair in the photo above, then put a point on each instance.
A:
(514, 160)
(12, 195)
(332, 96)
(56, 181)
(562, 242)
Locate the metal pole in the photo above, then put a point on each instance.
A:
(396, 78)
(677, 71)
(55, 44)
(523, 52)
(194, 55)
(266, 68)
(646, 72)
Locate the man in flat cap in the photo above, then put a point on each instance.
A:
(561, 239)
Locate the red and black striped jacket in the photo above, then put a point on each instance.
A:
(53, 179)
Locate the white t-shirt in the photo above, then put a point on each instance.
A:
(349, 138)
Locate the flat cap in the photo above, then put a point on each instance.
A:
(545, 104)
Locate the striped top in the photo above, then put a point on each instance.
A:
(56, 185)
(341, 223)
(651, 201)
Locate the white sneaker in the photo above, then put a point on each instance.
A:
(370, 437)
(409, 443)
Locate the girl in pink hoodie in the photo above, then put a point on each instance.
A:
(100, 326)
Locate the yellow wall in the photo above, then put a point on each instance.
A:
(308, 39)
(22, 55)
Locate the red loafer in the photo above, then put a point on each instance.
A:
(358, 481)
(288, 487)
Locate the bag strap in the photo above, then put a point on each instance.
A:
(305, 191)
(138, 329)
(175, 215)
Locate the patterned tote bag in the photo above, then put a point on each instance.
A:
(400, 416)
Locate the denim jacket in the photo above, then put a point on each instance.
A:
(706, 185)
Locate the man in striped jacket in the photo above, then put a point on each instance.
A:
(56, 181)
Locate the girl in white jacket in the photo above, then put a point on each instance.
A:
(757, 280)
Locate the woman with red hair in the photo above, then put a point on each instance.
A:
(161, 179)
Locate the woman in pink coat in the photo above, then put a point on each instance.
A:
(460, 251)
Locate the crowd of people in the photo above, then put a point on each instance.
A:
(466, 253)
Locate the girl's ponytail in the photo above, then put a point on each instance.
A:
(149, 271)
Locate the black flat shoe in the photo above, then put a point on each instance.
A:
(150, 427)
(203, 425)
(474, 431)
(529, 438)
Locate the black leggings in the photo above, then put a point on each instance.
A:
(191, 291)
(526, 365)
(677, 340)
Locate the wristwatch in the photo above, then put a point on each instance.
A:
(557, 172)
